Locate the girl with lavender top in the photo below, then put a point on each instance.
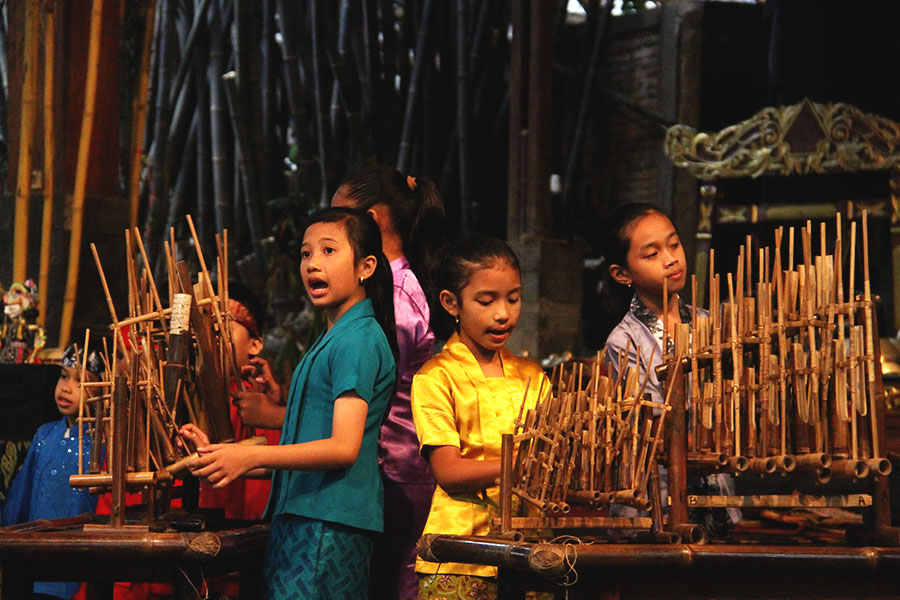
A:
(410, 215)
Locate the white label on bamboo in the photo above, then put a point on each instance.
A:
(181, 313)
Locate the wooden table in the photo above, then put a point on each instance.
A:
(680, 570)
(62, 550)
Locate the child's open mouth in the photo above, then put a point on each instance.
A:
(317, 288)
(498, 335)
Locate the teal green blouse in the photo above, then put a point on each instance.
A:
(353, 356)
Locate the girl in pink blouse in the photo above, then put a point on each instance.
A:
(410, 215)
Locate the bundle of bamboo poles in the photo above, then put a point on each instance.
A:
(783, 373)
(171, 362)
(590, 441)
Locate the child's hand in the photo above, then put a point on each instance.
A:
(263, 381)
(220, 464)
(194, 435)
(257, 409)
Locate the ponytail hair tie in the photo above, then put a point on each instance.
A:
(411, 182)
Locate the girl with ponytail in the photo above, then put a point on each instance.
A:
(410, 215)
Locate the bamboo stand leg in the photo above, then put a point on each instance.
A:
(506, 482)
(676, 435)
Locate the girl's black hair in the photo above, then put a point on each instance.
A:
(416, 210)
(365, 239)
(458, 261)
(615, 298)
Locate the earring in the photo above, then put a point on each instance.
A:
(456, 318)
(362, 281)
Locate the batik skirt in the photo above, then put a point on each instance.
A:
(316, 560)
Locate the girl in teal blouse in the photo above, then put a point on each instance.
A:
(326, 499)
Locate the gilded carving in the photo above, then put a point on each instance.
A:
(835, 138)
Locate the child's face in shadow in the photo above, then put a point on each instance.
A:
(66, 395)
(245, 345)
(654, 255)
(488, 307)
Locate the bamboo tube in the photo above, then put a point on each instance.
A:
(49, 173)
(782, 339)
(764, 293)
(26, 140)
(695, 372)
(750, 411)
(84, 147)
(132, 480)
(870, 343)
(82, 376)
(506, 481)
(665, 320)
(748, 272)
(738, 464)
(823, 475)
(846, 468)
(812, 381)
(736, 360)
(762, 465)
(879, 466)
(785, 462)
(840, 415)
(631, 497)
(708, 460)
(809, 462)
(718, 380)
(590, 498)
(854, 367)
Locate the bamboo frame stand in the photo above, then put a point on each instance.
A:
(175, 368)
(794, 387)
(589, 442)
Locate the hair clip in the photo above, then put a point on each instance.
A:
(411, 182)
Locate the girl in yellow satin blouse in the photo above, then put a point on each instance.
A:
(464, 398)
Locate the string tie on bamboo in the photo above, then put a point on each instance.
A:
(556, 559)
(411, 182)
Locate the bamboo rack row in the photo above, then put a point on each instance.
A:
(783, 373)
(590, 441)
(171, 362)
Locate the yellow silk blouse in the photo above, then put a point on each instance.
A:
(454, 404)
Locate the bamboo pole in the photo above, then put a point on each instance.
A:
(84, 148)
(139, 116)
(421, 59)
(217, 127)
(462, 116)
(48, 166)
(26, 139)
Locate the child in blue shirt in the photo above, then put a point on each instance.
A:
(41, 489)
